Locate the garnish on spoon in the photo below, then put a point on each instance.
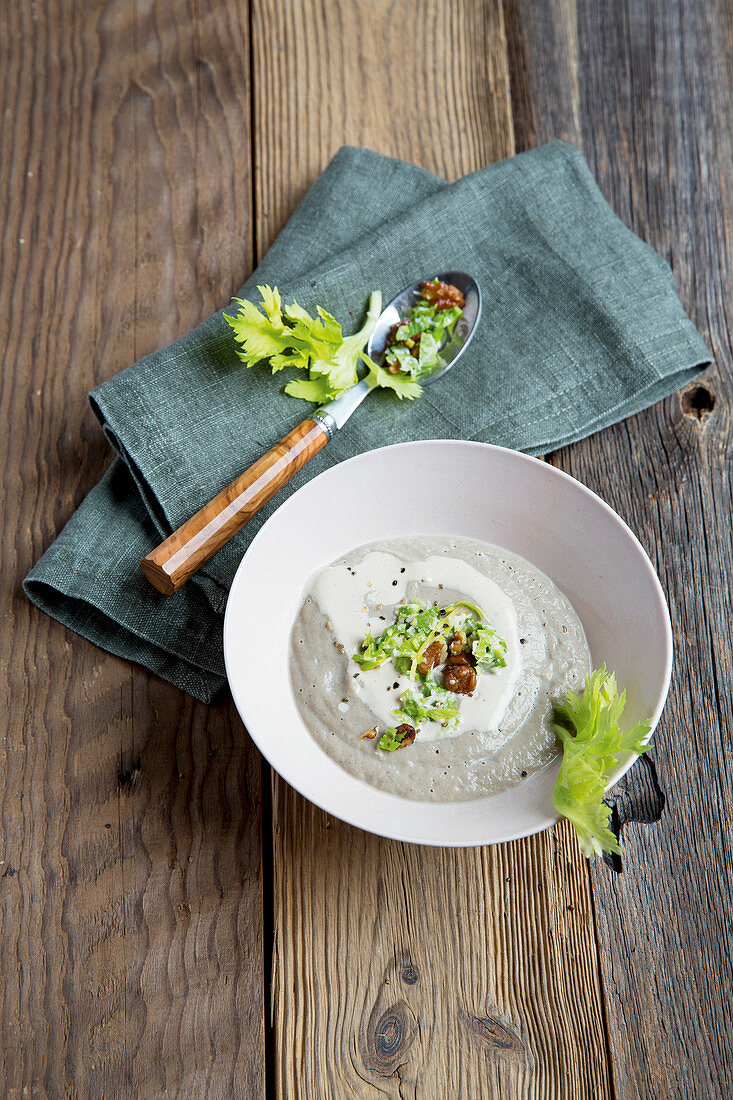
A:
(414, 343)
(593, 745)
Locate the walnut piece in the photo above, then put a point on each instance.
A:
(433, 655)
(459, 676)
(409, 733)
(442, 295)
(461, 659)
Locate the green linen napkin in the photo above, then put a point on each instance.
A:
(580, 328)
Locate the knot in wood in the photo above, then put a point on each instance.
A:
(410, 975)
(390, 1035)
(495, 1034)
(391, 1031)
(697, 401)
(127, 778)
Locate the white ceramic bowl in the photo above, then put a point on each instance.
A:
(441, 487)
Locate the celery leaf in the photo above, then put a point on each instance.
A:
(291, 338)
(593, 745)
(400, 384)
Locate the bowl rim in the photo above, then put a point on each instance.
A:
(509, 834)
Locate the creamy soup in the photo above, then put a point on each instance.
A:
(501, 732)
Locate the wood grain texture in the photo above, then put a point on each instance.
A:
(130, 882)
(175, 561)
(400, 970)
(401, 78)
(409, 971)
(131, 918)
(646, 90)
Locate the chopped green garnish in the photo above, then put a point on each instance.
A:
(434, 704)
(289, 337)
(427, 356)
(404, 642)
(417, 626)
(373, 652)
(417, 340)
(488, 647)
(593, 745)
(391, 740)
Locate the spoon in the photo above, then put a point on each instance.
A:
(170, 565)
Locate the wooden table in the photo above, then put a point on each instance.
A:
(176, 922)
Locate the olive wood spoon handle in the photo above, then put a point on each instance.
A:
(171, 564)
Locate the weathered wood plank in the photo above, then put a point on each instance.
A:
(130, 887)
(400, 78)
(400, 970)
(647, 91)
(409, 971)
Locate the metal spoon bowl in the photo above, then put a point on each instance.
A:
(401, 305)
(334, 415)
